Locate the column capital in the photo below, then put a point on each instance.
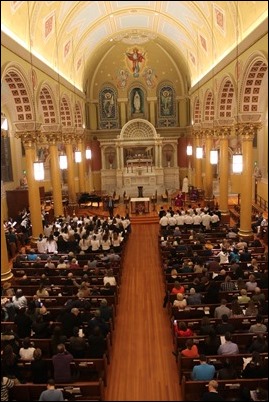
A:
(29, 139)
(208, 133)
(28, 132)
(69, 135)
(247, 130)
(223, 132)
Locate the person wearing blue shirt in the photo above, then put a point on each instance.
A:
(203, 371)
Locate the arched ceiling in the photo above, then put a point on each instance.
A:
(73, 37)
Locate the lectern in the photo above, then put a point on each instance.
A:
(140, 191)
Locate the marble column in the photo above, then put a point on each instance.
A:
(198, 163)
(152, 117)
(208, 167)
(81, 167)
(6, 273)
(224, 134)
(55, 177)
(33, 187)
(247, 132)
(68, 140)
(122, 103)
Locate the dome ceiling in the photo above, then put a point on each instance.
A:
(73, 37)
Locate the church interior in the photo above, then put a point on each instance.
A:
(142, 101)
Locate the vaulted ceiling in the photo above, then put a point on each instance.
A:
(74, 37)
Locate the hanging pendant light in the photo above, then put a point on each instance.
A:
(63, 162)
(88, 153)
(237, 163)
(39, 172)
(214, 157)
(78, 157)
(189, 150)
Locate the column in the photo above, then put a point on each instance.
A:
(224, 134)
(93, 116)
(247, 134)
(70, 169)
(152, 112)
(118, 156)
(198, 163)
(33, 187)
(6, 273)
(56, 179)
(122, 103)
(81, 167)
(208, 168)
(103, 159)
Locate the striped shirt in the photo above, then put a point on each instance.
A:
(6, 384)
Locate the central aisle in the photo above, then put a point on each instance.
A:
(142, 366)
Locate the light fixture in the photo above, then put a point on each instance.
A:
(78, 157)
(63, 162)
(214, 157)
(189, 150)
(4, 124)
(199, 152)
(237, 163)
(39, 172)
(88, 153)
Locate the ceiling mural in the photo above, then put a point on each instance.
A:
(73, 37)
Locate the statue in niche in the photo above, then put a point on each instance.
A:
(137, 102)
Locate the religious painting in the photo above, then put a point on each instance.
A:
(150, 77)
(167, 114)
(166, 101)
(135, 60)
(108, 109)
(122, 78)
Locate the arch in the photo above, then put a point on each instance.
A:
(209, 110)
(65, 112)
(47, 104)
(138, 129)
(19, 87)
(197, 114)
(252, 84)
(78, 115)
(227, 100)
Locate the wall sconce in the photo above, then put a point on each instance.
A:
(63, 162)
(78, 158)
(88, 153)
(39, 172)
(214, 157)
(237, 163)
(189, 150)
(199, 152)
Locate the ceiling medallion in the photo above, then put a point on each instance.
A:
(135, 37)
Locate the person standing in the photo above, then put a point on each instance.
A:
(61, 366)
(110, 207)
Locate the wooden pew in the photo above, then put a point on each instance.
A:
(243, 340)
(82, 370)
(79, 391)
(186, 364)
(193, 390)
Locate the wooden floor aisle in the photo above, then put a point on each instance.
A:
(142, 367)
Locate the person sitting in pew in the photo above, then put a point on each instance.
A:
(191, 349)
(259, 326)
(228, 371)
(225, 325)
(194, 298)
(259, 344)
(256, 368)
(203, 371)
(228, 347)
(51, 393)
(212, 393)
(180, 301)
(181, 329)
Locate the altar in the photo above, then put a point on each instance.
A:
(140, 205)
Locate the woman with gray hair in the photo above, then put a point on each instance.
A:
(194, 298)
